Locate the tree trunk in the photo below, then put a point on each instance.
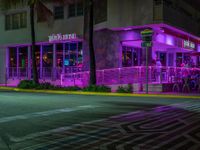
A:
(91, 45)
(34, 66)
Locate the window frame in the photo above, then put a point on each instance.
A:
(61, 12)
(78, 9)
(15, 21)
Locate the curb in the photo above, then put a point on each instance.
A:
(99, 94)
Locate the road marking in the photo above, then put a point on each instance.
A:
(57, 130)
(45, 113)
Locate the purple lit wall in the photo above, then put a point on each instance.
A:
(165, 39)
(108, 48)
(198, 49)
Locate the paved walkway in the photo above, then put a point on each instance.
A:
(175, 126)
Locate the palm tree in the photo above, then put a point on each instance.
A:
(89, 18)
(6, 4)
(89, 30)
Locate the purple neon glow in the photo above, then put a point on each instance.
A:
(198, 49)
(116, 76)
(165, 39)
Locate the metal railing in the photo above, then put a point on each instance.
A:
(45, 73)
(130, 75)
(71, 76)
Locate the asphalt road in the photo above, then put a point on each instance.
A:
(48, 121)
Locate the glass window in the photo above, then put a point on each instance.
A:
(59, 55)
(80, 54)
(23, 20)
(23, 57)
(16, 21)
(47, 56)
(12, 57)
(158, 2)
(72, 10)
(75, 9)
(80, 9)
(58, 12)
(179, 59)
(129, 56)
(73, 54)
(163, 58)
(66, 59)
(8, 21)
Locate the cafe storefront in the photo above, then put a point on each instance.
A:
(61, 54)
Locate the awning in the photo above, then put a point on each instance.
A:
(194, 54)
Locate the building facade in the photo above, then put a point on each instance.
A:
(117, 40)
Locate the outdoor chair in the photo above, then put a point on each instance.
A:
(186, 86)
(176, 86)
(198, 85)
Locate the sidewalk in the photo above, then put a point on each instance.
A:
(151, 94)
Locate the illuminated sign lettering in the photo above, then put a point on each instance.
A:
(188, 44)
(62, 37)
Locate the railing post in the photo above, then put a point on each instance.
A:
(150, 74)
(103, 73)
(74, 79)
(119, 75)
(61, 79)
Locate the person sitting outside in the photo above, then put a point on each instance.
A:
(158, 70)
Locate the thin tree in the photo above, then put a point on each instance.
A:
(88, 13)
(89, 30)
(33, 5)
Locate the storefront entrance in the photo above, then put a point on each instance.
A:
(51, 60)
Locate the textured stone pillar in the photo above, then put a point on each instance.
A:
(2, 65)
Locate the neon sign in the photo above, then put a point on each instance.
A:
(62, 37)
(188, 44)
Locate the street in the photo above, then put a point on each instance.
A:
(65, 122)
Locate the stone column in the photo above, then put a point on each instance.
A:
(3, 65)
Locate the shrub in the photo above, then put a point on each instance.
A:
(45, 85)
(127, 89)
(121, 89)
(130, 88)
(71, 88)
(27, 84)
(95, 88)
